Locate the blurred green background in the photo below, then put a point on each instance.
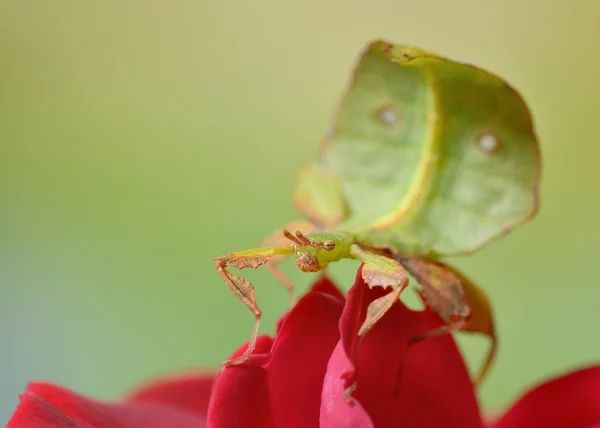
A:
(141, 139)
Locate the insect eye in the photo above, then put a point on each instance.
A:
(329, 245)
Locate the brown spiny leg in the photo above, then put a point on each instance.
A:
(243, 289)
(453, 323)
(481, 319)
(461, 303)
(278, 239)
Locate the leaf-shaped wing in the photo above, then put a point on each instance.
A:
(432, 151)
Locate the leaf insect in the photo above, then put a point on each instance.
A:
(427, 158)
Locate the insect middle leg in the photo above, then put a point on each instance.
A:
(243, 289)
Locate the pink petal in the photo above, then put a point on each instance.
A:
(282, 389)
(336, 412)
(572, 400)
(48, 406)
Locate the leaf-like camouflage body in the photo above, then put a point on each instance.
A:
(429, 156)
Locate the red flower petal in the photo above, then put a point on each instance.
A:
(190, 393)
(240, 393)
(435, 388)
(282, 388)
(572, 400)
(323, 285)
(48, 406)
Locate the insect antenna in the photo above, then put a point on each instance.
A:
(292, 237)
(307, 242)
(302, 238)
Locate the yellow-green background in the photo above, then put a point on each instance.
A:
(139, 139)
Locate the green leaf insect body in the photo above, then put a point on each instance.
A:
(427, 158)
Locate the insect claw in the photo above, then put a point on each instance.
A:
(347, 394)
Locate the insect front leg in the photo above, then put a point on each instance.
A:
(277, 239)
(243, 289)
(379, 270)
(461, 304)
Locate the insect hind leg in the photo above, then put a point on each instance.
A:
(459, 301)
(451, 327)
